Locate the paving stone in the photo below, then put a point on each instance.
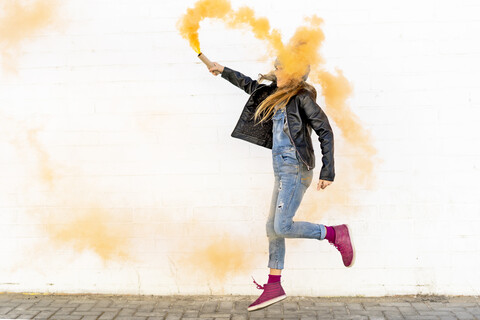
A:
(4, 310)
(28, 315)
(464, 315)
(354, 306)
(85, 307)
(108, 315)
(150, 307)
(151, 314)
(225, 306)
(420, 306)
(290, 306)
(89, 318)
(65, 317)
(86, 313)
(103, 303)
(127, 312)
(209, 306)
(45, 314)
(64, 310)
(9, 316)
(408, 311)
(213, 315)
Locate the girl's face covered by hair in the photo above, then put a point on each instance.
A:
(282, 80)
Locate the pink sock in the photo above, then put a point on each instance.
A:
(273, 278)
(330, 234)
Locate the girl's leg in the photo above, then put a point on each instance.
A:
(276, 243)
(293, 184)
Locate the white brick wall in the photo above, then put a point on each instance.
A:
(131, 125)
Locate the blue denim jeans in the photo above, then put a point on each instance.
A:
(292, 179)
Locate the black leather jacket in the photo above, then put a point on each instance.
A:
(302, 114)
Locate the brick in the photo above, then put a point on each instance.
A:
(89, 317)
(28, 315)
(108, 315)
(86, 313)
(209, 306)
(65, 317)
(225, 306)
(151, 314)
(85, 307)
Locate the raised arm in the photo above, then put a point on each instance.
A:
(236, 78)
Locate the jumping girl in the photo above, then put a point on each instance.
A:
(288, 112)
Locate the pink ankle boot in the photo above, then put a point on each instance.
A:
(272, 292)
(344, 244)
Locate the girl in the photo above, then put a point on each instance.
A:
(280, 116)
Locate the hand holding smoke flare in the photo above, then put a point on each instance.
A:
(207, 62)
(190, 23)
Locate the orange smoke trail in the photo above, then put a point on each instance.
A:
(336, 90)
(295, 56)
(18, 22)
(189, 24)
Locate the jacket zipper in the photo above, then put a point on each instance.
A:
(289, 135)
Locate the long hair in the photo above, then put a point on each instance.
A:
(280, 96)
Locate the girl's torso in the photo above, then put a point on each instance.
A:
(281, 140)
(282, 148)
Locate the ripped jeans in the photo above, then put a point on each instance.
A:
(292, 179)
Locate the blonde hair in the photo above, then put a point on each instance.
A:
(280, 96)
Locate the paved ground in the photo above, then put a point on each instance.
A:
(100, 307)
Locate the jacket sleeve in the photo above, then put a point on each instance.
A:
(319, 122)
(240, 80)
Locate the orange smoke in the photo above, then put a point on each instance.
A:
(18, 22)
(93, 230)
(45, 169)
(336, 89)
(190, 23)
(83, 224)
(222, 258)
